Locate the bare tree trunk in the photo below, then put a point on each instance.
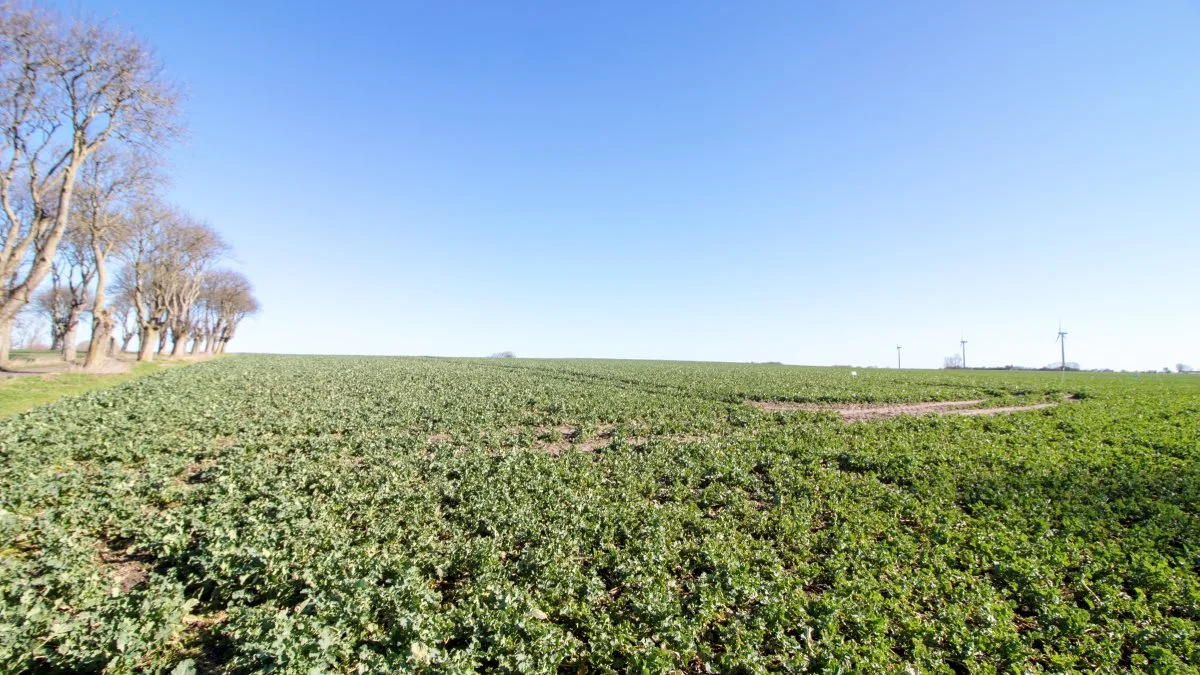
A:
(56, 340)
(162, 339)
(125, 340)
(180, 342)
(102, 321)
(69, 351)
(149, 335)
(6, 329)
(101, 345)
(214, 338)
(195, 346)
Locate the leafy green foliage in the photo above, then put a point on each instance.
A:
(325, 514)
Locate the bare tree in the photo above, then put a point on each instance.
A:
(198, 335)
(206, 310)
(110, 179)
(53, 304)
(66, 89)
(122, 314)
(952, 362)
(167, 254)
(134, 284)
(226, 298)
(71, 278)
(244, 305)
(222, 294)
(26, 327)
(196, 247)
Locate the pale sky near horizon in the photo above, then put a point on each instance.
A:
(798, 182)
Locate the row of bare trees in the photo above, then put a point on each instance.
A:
(170, 285)
(84, 114)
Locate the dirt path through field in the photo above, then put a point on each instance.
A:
(863, 412)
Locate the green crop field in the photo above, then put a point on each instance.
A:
(338, 514)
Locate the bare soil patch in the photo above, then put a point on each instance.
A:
(573, 437)
(129, 569)
(863, 412)
(604, 437)
(12, 373)
(198, 472)
(209, 648)
(1004, 409)
(109, 367)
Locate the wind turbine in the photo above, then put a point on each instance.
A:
(963, 342)
(1062, 340)
(898, 348)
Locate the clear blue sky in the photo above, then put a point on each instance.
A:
(810, 183)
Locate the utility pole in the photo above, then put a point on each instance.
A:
(964, 351)
(898, 348)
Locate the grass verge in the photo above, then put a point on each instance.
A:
(20, 394)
